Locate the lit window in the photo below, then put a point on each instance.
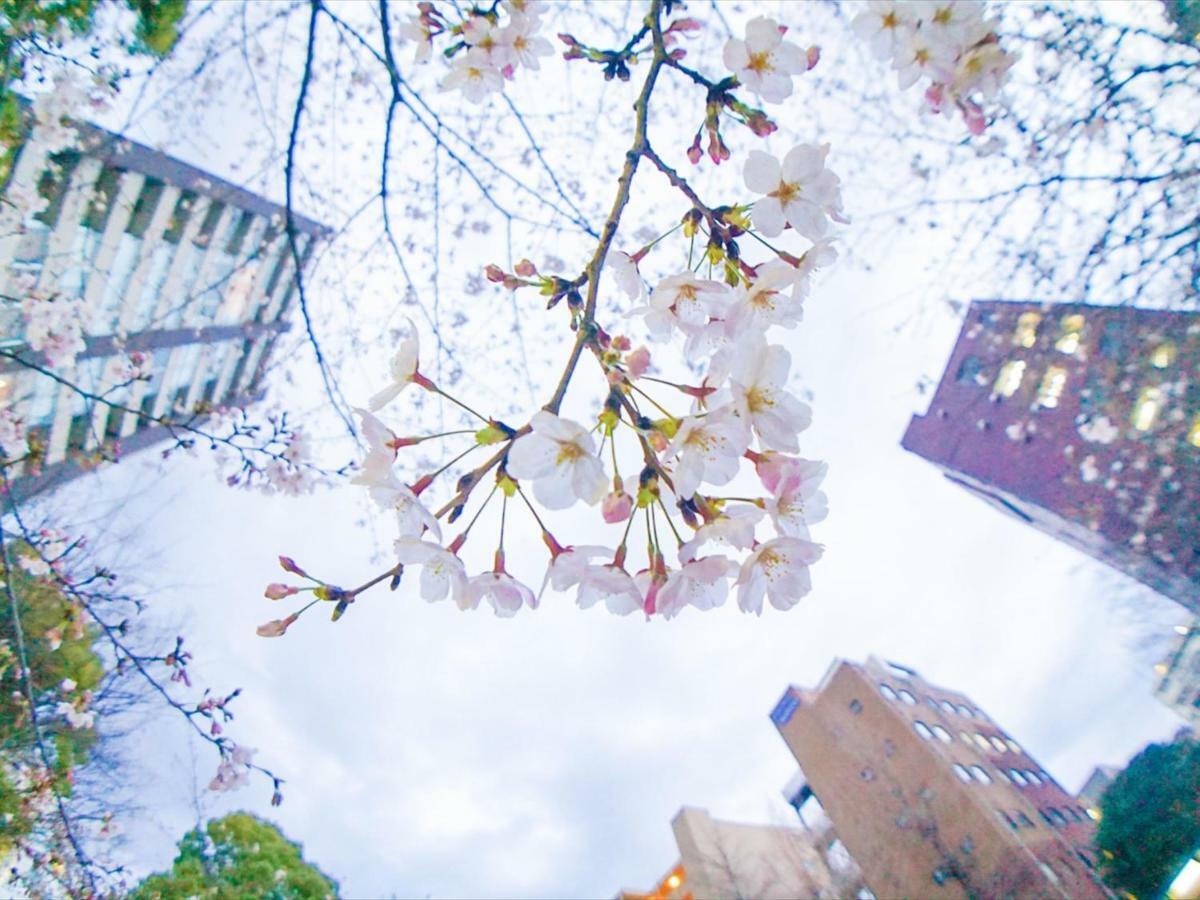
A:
(1027, 326)
(923, 730)
(1193, 435)
(673, 881)
(942, 734)
(981, 742)
(908, 698)
(1013, 745)
(1162, 355)
(1068, 339)
(1033, 776)
(948, 707)
(1052, 386)
(1009, 378)
(1017, 777)
(1145, 410)
(981, 774)
(887, 692)
(966, 737)
(965, 711)
(962, 773)
(999, 745)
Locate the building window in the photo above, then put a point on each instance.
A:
(856, 706)
(948, 707)
(1013, 745)
(981, 742)
(970, 371)
(980, 774)
(1024, 820)
(1145, 410)
(887, 692)
(940, 875)
(1050, 874)
(1009, 378)
(962, 773)
(942, 734)
(1017, 777)
(923, 730)
(1051, 388)
(1000, 746)
(908, 698)
(1163, 355)
(1025, 334)
(1008, 820)
(966, 738)
(965, 711)
(1033, 777)
(867, 774)
(1068, 338)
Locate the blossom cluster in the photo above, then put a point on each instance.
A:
(12, 434)
(949, 45)
(487, 52)
(54, 327)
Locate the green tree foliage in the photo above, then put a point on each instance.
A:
(58, 649)
(30, 28)
(1150, 821)
(238, 856)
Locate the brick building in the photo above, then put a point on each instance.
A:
(930, 796)
(1178, 685)
(720, 859)
(1083, 421)
(167, 260)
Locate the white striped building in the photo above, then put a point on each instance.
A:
(168, 260)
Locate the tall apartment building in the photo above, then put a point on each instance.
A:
(169, 261)
(719, 859)
(1083, 421)
(929, 795)
(1178, 685)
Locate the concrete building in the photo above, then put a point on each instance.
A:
(1093, 789)
(166, 260)
(929, 795)
(1083, 421)
(729, 860)
(1179, 675)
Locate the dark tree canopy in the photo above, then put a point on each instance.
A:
(1151, 818)
(238, 856)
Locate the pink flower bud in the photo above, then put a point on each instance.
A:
(275, 627)
(694, 153)
(494, 273)
(813, 54)
(277, 591)
(526, 269)
(289, 565)
(638, 362)
(621, 342)
(974, 117)
(616, 507)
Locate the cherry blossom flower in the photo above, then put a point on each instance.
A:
(796, 502)
(758, 383)
(686, 302)
(608, 582)
(442, 572)
(76, 718)
(800, 192)
(381, 450)
(523, 45)
(734, 527)
(922, 55)
(234, 769)
(637, 362)
(773, 298)
(54, 327)
(474, 74)
(12, 434)
(501, 590)
(884, 25)
(708, 448)
(481, 33)
(416, 29)
(560, 457)
(777, 569)
(982, 69)
(952, 24)
(764, 62)
(412, 518)
(702, 583)
(403, 370)
(625, 273)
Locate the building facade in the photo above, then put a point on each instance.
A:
(191, 273)
(1178, 683)
(722, 860)
(1083, 421)
(930, 796)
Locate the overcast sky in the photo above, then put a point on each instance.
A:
(433, 752)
